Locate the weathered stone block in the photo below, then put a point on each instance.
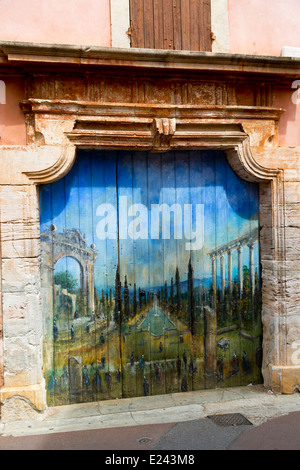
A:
(284, 379)
(26, 248)
(19, 204)
(21, 275)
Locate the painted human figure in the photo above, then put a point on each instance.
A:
(86, 378)
(178, 366)
(132, 360)
(97, 382)
(146, 387)
(246, 364)
(220, 365)
(184, 357)
(235, 364)
(64, 379)
(108, 378)
(184, 387)
(72, 333)
(142, 363)
(158, 372)
(55, 331)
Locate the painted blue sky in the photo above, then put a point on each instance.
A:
(185, 178)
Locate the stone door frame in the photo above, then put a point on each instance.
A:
(96, 129)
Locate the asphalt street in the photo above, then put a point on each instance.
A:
(281, 433)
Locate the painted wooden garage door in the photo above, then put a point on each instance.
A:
(150, 276)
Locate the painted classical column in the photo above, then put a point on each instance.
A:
(251, 269)
(214, 274)
(222, 276)
(240, 270)
(229, 267)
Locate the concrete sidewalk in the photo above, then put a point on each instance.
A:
(253, 402)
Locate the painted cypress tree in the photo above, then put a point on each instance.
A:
(126, 300)
(118, 296)
(134, 301)
(110, 297)
(191, 302)
(172, 292)
(178, 291)
(166, 292)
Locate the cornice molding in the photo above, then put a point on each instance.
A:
(14, 53)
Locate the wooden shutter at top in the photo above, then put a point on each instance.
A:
(171, 24)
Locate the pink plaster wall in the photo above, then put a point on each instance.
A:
(12, 120)
(289, 124)
(78, 22)
(263, 27)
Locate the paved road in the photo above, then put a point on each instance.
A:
(281, 433)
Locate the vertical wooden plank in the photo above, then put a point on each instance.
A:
(50, 329)
(233, 188)
(89, 337)
(149, 378)
(137, 23)
(155, 319)
(110, 348)
(63, 311)
(205, 41)
(149, 24)
(185, 22)
(197, 268)
(210, 364)
(220, 229)
(67, 312)
(181, 273)
(158, 21)
(177, 27)
(126, 265)
(174, 218)
(139, 344)
(114, 328)
(196, 25)
(168, 38)
(53, 384)
(106, 325)
(99, 317)
(158, 24)
(81, 319)
(162, 371)
(136, 181)
(190, 219)
(227, 303)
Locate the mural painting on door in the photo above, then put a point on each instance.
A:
(150, 276)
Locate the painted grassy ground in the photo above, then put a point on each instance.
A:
(137, 350)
